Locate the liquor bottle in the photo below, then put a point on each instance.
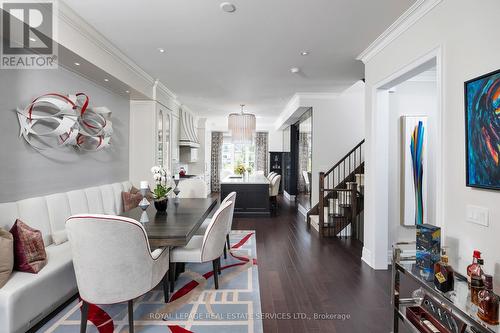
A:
(488, 302)
(443, 274)
(476, 255)
(476, 286)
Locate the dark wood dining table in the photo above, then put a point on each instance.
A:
(178, 224)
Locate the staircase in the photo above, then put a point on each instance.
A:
(341, 201)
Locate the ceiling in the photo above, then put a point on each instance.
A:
(215, 61)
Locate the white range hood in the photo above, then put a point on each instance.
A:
(189, 136)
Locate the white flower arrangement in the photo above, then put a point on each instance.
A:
(162, 179)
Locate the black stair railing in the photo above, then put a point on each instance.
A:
(334, 184)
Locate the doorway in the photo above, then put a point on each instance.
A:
(414, 91)
(304, 161)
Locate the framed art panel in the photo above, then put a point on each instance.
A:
(415, 133)
(482, 131)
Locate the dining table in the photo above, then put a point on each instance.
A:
(178, 224)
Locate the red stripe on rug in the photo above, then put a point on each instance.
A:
(186, 289)
(242, 242)
(178, 329)
(100, 318)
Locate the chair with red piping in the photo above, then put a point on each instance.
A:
(113, 261)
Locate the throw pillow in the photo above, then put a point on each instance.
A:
(130, 200)
(29, 250)
(7, 255)
(60, 237)
(149, 193)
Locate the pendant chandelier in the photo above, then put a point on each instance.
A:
(242, 126)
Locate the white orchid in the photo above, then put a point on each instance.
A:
(162, 180)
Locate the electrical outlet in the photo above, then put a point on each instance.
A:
(478, 215)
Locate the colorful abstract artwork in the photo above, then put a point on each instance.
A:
(415, 169)
(416, 148)
(57, 121)
(482, 117)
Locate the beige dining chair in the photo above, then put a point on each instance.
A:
(208, 247)
(113, 261)
(273, 193)
(203, 228)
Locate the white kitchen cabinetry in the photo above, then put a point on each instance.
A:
(175, 140)
(152, 139)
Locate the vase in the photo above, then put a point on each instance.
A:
(161, 205)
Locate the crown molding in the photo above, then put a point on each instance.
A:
(317, 95)
(70, 17)
(417, 11)
(156, 88)
(167, 91)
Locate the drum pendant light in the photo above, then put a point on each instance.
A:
(242, 126)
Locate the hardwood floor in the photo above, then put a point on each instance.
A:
(303, 275)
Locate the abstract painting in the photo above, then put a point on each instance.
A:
(482, 119)
(415, 169)
(57, 121)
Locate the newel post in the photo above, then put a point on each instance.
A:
(321, 203)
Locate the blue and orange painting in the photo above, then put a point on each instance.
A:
(417, 153)
(483, 131)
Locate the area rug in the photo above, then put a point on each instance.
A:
(195, 306)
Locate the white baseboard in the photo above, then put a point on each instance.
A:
(289, 197)
(302, 210)
(366, 256)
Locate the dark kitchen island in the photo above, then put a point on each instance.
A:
(252, 194)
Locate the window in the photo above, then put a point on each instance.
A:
(235, 154)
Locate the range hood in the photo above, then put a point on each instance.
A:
(189, 136)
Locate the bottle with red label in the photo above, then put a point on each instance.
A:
(474, 267)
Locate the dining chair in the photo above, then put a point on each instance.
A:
(305, 175)
(113, 261)
(273, 193)
(208, 247)
(271, 175)
(203, 228)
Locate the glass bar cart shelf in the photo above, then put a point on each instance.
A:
(457, 301)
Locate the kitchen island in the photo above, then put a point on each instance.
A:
(252, 194)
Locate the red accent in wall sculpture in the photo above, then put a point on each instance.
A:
(56, 121)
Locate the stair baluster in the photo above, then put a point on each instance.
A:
(334, 183)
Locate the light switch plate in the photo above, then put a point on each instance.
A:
(478, 215)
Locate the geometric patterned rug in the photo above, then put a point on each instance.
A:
(195, 306)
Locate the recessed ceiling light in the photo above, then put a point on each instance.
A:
(304, 53)
(294, 70)
(77, 64)
(106, 80)
(127, 91)
(228, 7)
(161, 50)
(32, 39)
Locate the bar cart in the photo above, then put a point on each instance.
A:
(457, 302)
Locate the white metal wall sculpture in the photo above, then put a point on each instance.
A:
(57, 121)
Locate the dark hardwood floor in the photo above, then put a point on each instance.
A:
(301, 274)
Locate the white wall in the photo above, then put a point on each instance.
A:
(466, 33)
(275, 140)
(338, 126)
(27, 172)
(410, 99)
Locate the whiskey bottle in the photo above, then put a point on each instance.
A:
(476, 281)
(488, 302)
(443, 274)
(475, 256)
